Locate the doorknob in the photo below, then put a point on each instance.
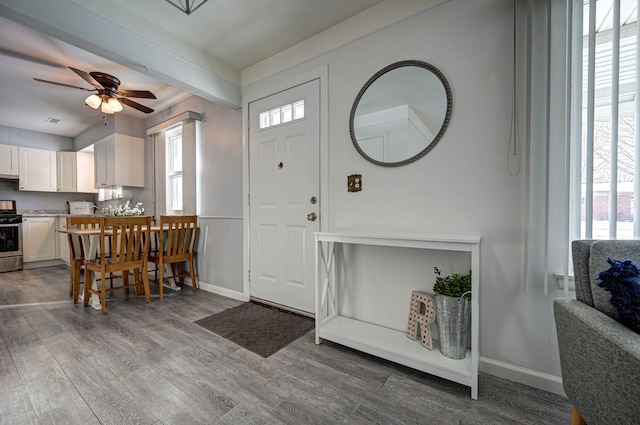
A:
(312, 216)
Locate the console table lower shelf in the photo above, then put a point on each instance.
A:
(394, 345)
(381, 341)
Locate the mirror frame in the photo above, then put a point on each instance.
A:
(372, 80)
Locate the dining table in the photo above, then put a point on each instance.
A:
(90, 239)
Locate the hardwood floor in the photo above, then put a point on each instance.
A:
(150, 364)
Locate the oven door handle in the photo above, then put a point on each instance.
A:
(11, 225)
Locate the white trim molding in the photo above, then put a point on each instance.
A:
(533, 378)
(225, 292)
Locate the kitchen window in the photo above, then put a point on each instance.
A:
(175, 164)
(173, 170)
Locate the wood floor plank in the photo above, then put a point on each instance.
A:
(44, 380)
(249, 414)
(15, 406)
(75, 413)
(111, 400)
(151, 364)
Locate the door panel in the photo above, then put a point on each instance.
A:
(266, 188)
(268, 254)
(295, 239)
(283, 177)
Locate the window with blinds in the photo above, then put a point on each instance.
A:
(605, 136)
(173, 169)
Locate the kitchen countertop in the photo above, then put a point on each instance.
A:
(43, 213)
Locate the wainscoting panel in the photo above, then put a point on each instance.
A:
(219, 255)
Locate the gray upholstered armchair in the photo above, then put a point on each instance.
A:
(599, 357)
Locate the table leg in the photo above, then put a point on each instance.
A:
(172, 282)
(90, 243)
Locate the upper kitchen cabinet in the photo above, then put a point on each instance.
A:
(37, 170)
(67, 168)
(86, 176)
(119, 161)
(76, 172)
(8, 161)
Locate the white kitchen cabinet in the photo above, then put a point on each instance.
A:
(37, 170)
(39, 238)
(86, 173)
(67, 171)
(8, 161)
(119, 161)
(75, 172)
(63, 241)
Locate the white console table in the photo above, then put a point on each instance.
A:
(388, 343)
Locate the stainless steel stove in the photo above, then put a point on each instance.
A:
(10, 237)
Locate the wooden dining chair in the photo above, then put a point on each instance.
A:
(128, 252)
(176, 245)
(76, 250)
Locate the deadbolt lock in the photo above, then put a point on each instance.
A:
(313, 200)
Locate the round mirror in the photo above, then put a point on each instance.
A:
(401, 113)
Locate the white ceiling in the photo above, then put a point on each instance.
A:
(25, 103)
(234, 33)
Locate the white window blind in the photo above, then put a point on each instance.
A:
(606, 105)
(173, 170)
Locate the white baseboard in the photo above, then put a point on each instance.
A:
(225, 292)
(45, 263)
(543, 381)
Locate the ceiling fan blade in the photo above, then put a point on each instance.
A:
(64, 85)
(146, 94)
(135, 105)
(87, 77)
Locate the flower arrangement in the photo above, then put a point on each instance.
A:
(452, 286)
(124, 210)
(622, 280)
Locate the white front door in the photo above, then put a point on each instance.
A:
(284, 203)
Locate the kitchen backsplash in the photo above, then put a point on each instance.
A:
(57, 203)
(54, 201)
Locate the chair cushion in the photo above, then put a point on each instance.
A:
(622, 280)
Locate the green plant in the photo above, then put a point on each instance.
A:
(452, 286)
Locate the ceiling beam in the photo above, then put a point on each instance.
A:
(72, 24)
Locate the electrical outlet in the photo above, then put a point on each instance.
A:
(354, 183)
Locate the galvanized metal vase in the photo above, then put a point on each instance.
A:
(454, 317)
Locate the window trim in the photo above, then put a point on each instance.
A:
(191, 133)
(170, 137)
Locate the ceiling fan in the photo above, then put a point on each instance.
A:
(107, 96)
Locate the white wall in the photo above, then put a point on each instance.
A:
(219, 251)
(34, 139)
(462, 186)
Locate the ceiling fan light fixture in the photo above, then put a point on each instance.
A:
(107, 109)
(115, 105)
(106, 91)
(93, 101)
